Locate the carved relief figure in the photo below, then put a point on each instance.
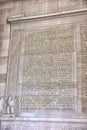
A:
(12, 106)
(2, 105)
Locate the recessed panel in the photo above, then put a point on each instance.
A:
(48, 69)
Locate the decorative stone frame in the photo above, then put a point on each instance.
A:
(17, 26)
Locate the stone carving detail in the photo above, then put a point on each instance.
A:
(9, 106)
(12, 106)
(47, 71)
(42, 126)
(84, 67)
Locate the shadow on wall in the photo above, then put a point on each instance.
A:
(3, 1)
(7, 128)
(84, 1)
(1, 30)
(1, 41)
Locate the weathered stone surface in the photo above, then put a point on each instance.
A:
(43, 124)
(84, 66)
(46, 68)
(47, 71)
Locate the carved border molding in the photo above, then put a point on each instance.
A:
(59, 120)
(22, 17)
(4, 1)
(26, 18)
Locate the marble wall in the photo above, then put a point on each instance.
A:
(59, 80)
(31, 7)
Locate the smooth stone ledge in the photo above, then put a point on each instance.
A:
(43, 120)
(22, 17)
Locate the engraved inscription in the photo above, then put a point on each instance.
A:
(48, 69)
(84, 67)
